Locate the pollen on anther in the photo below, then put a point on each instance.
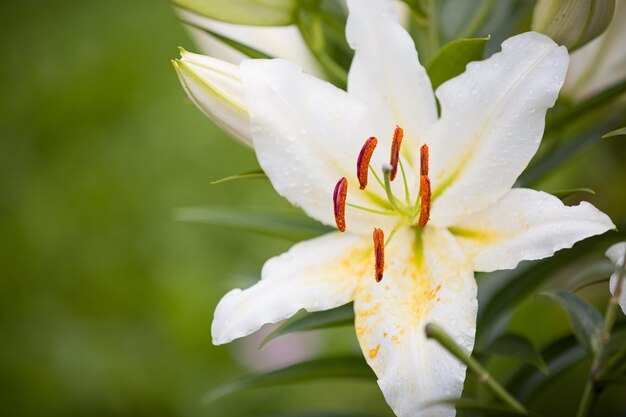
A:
(424, 160)
(425, 192)
(363, 161)
(379, 253)
(339, 203)
(396, 143)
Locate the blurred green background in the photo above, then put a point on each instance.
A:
(106, 302)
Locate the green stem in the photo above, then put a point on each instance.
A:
(433, 27)
(392, 198)
(384, 213)
(373, 171)
(407, 195)
(434, 331)
(477, 20)
(590, 394)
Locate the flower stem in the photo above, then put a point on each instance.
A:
(590, 394)
(436, 332)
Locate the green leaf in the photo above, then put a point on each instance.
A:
(594, 273)
(617, 132)
(587, 323)
(518, 347)
(321, 414)
(470, 404)
(568, 192)
(335, 367)
(340, 316)
(561, 355)
(452, 59)
(244, 12)
(252, 174)
(272, 223)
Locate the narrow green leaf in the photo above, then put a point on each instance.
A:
(617, 132)
(321, 414)
(340, 316)
(570, 192)
(244, 12)
(252, 174)
(241, 47)
(452, 59)
(474, 405)
(561, 355)
(594, 273)
(271, 223)
(586, 321)
(335, 367)
(518, 347)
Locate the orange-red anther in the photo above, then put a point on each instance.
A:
(379, 253)
(398, 134)
(363, 162)
(425, 195)
(424, 160)
(425, 190)
(339, 202)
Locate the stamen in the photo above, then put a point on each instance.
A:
(425, 189)
(424, 160)
(363, 161)
(398, 134)
(392, 199)
(425, 195)
(339, 202)
(379, 253)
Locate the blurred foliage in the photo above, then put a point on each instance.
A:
(106, 302)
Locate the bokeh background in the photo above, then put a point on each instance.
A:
(105, 300)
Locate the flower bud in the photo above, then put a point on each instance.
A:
(215, 87)
(572, 23)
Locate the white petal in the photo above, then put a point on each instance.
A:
(307, 134)
(314, 275)
(215, 87)
(427, 282)
(386, 74)
(526, 225)
(276, 41)
(616, 254)
(602, 62)
(491, 125)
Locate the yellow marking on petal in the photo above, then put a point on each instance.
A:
(374, 351)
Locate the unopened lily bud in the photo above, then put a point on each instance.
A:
(572, 23)
(215, 87)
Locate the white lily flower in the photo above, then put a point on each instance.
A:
(601, 63)
(617, 254)
(215, 87)
(451, 213)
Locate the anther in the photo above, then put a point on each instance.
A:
(424, 160)
(425, 189)
(339, 202)
(363, 162)
(379, 253)
(398, 134)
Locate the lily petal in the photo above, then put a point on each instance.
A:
(314, 275)
(307, 134)
(386, 73)
(425, 281)
(526, 225)
(616, 254)
(493, 117)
